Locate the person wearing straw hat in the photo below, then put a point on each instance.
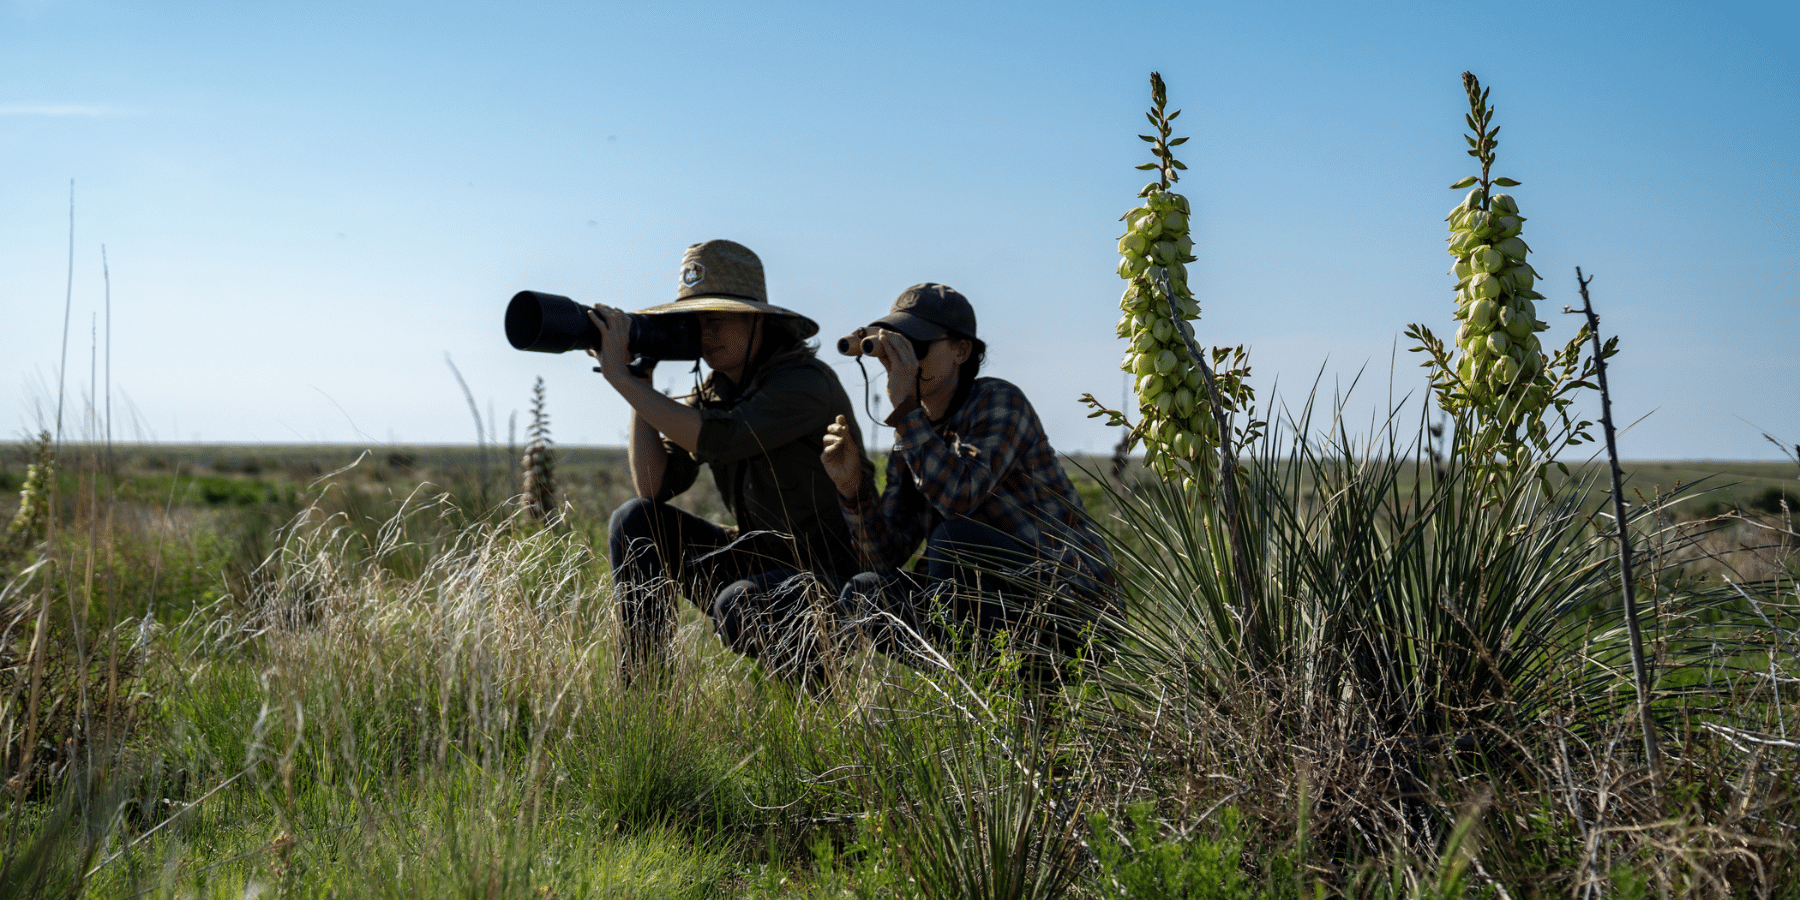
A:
(972, 477)
(758, 421)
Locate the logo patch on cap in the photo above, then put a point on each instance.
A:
(693, 273)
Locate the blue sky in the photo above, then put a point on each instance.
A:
(305, 206)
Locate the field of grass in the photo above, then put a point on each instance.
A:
(252, 671)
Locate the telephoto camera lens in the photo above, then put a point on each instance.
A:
(549, 323)
(552, 323)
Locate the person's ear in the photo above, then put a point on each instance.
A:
(963, 350)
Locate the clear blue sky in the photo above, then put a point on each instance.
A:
(305, 206)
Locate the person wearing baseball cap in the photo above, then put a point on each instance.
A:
(759, 422)
(973, 477)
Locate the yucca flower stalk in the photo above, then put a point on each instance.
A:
(28, 524)
(1501, 384)
(1177, 424)
(538, 487)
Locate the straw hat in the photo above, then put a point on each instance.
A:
(724, 276)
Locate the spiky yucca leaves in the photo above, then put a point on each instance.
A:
(1176, 421)
(1503, 383)
(538, 496)
(1438, 610)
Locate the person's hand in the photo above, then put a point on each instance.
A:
(614, 353)
(895, 350)
(842, 458)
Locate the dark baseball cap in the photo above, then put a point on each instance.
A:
(929, 312)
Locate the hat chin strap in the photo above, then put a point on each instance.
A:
(752, 352)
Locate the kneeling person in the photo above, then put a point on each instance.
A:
(759, 421)
(973, 476)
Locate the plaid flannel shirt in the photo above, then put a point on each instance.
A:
(989, 462)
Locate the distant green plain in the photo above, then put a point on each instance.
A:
(596, 479)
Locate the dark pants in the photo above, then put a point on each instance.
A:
(977, 582)
(751, 587)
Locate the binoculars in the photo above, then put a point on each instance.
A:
(861, 342)
(550, 323)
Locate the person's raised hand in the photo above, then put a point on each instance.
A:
(895, 350)
(842, 458)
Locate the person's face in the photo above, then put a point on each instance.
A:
(938, 368)
(725, 341)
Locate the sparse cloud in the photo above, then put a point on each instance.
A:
(60, 110)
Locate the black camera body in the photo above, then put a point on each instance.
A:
(551, 323)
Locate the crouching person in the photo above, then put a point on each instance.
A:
(972, 476)
(759, 421)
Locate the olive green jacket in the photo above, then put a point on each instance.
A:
(763, 444)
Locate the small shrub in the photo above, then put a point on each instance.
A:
(1144, 865)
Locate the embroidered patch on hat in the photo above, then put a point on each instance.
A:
(906, 301)
(693, 273)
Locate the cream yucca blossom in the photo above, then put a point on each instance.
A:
(1502, 383)
(1176, 422)
(28, 524)
(1502, 359)
(1503, 367)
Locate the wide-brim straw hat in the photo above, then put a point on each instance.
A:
(725, 276)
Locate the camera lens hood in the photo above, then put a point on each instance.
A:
(548, 323)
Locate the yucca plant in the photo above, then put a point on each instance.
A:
(1381, 579)
(1415, 641)
(28, 524)
(538, 488)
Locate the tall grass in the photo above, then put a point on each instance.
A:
(975, 790)
(474, 699)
